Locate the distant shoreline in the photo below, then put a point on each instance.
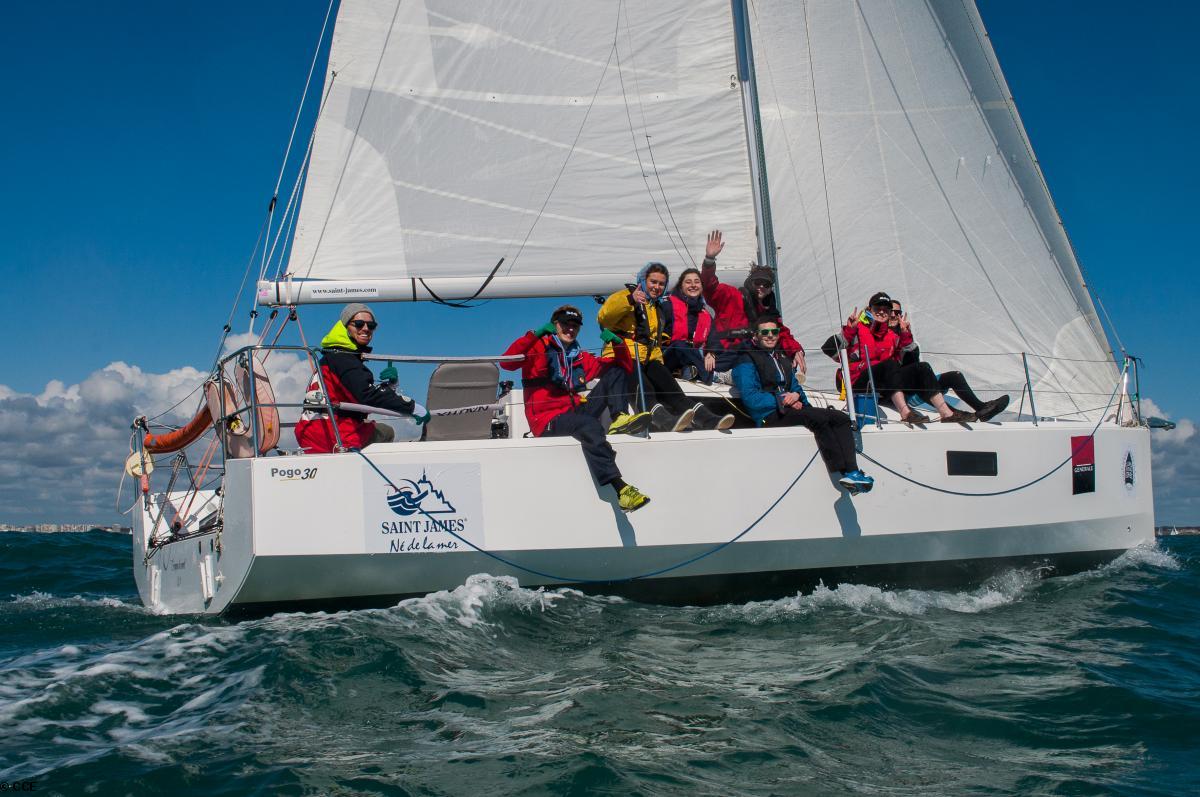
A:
(65, 528)
(1176, 531)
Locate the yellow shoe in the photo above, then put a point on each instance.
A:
(631, 499)
(629, 424)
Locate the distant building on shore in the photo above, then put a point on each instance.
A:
(66, 528)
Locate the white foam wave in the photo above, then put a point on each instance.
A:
(1146, 555)
(1000, 591)
(44, 600)
(466, 604)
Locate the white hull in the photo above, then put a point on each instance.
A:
(332, 539)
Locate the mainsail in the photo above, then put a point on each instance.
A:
(896, 161)
(576, 140)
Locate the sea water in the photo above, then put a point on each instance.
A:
(1086, 684)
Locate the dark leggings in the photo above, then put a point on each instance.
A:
(577, 423)
(835, 440)
(954, 380)
(890, 376)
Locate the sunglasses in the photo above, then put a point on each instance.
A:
(570, 326)
(370, 325)
(773, 332)
(881, 310)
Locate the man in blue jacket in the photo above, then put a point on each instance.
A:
(766, 379)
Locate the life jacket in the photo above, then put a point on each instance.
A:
(774, 369)
(888, 346)
(546, 396)
(313, 430)
(678, 324)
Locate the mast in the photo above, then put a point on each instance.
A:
(754, 140)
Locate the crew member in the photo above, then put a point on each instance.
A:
(553, 373)
(737, 311)
(766, 379)
(869, 339)
(348, 380)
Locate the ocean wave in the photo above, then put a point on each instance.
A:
(44, 600)
(999, 591)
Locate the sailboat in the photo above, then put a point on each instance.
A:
(528, 148)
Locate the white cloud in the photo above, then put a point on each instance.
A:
(1176, 470)
(65, 447)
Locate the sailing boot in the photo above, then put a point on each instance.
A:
(684, 421)
(991, 409)
(661, 420)
(631, 499)
(707, 419)
(630, 424)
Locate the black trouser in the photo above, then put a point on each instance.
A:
(835, 440)
(890, 376)
(660, 388)
(678, 356)
(610, 393)
(577, 423)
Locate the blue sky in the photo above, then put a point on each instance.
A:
(142, 139)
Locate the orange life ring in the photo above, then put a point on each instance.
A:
(180, 438)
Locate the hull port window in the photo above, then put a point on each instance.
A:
(971, 463)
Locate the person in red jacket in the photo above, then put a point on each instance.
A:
(738, 310)
(349, 381)
(869, 338)
(687, 326)
(554, 372)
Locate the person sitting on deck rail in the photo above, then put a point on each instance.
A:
(868, 338)
(947, 380)
(687, 324)
(635, 314)
(737, 310)
(348, 380)
(766, 379)
(553, 373)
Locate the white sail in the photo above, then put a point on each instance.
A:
(896, 161)
(577, 139)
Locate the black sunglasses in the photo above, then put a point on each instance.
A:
(773, 332)
(370, 325)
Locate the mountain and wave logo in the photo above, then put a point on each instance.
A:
(419, 496)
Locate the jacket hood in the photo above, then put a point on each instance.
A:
(338, 337)
(641, 281)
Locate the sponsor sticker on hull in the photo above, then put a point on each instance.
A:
(434, 508)
(1083, 464)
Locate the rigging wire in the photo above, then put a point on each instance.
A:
(574, 143)
(637, 91)
(837, 289)
(633, 135)
(1011, 106)
(937, 181)
(296, 124)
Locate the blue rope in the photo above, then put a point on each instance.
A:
(1043, 477)
(577, 580)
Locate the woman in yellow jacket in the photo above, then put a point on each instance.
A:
(635, 315)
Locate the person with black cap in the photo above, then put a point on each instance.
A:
(738, 310)
(868, 338)
(554, 373)
(348, 380)
(947, 380)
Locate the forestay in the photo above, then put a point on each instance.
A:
(577, 140)
(897, 161)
